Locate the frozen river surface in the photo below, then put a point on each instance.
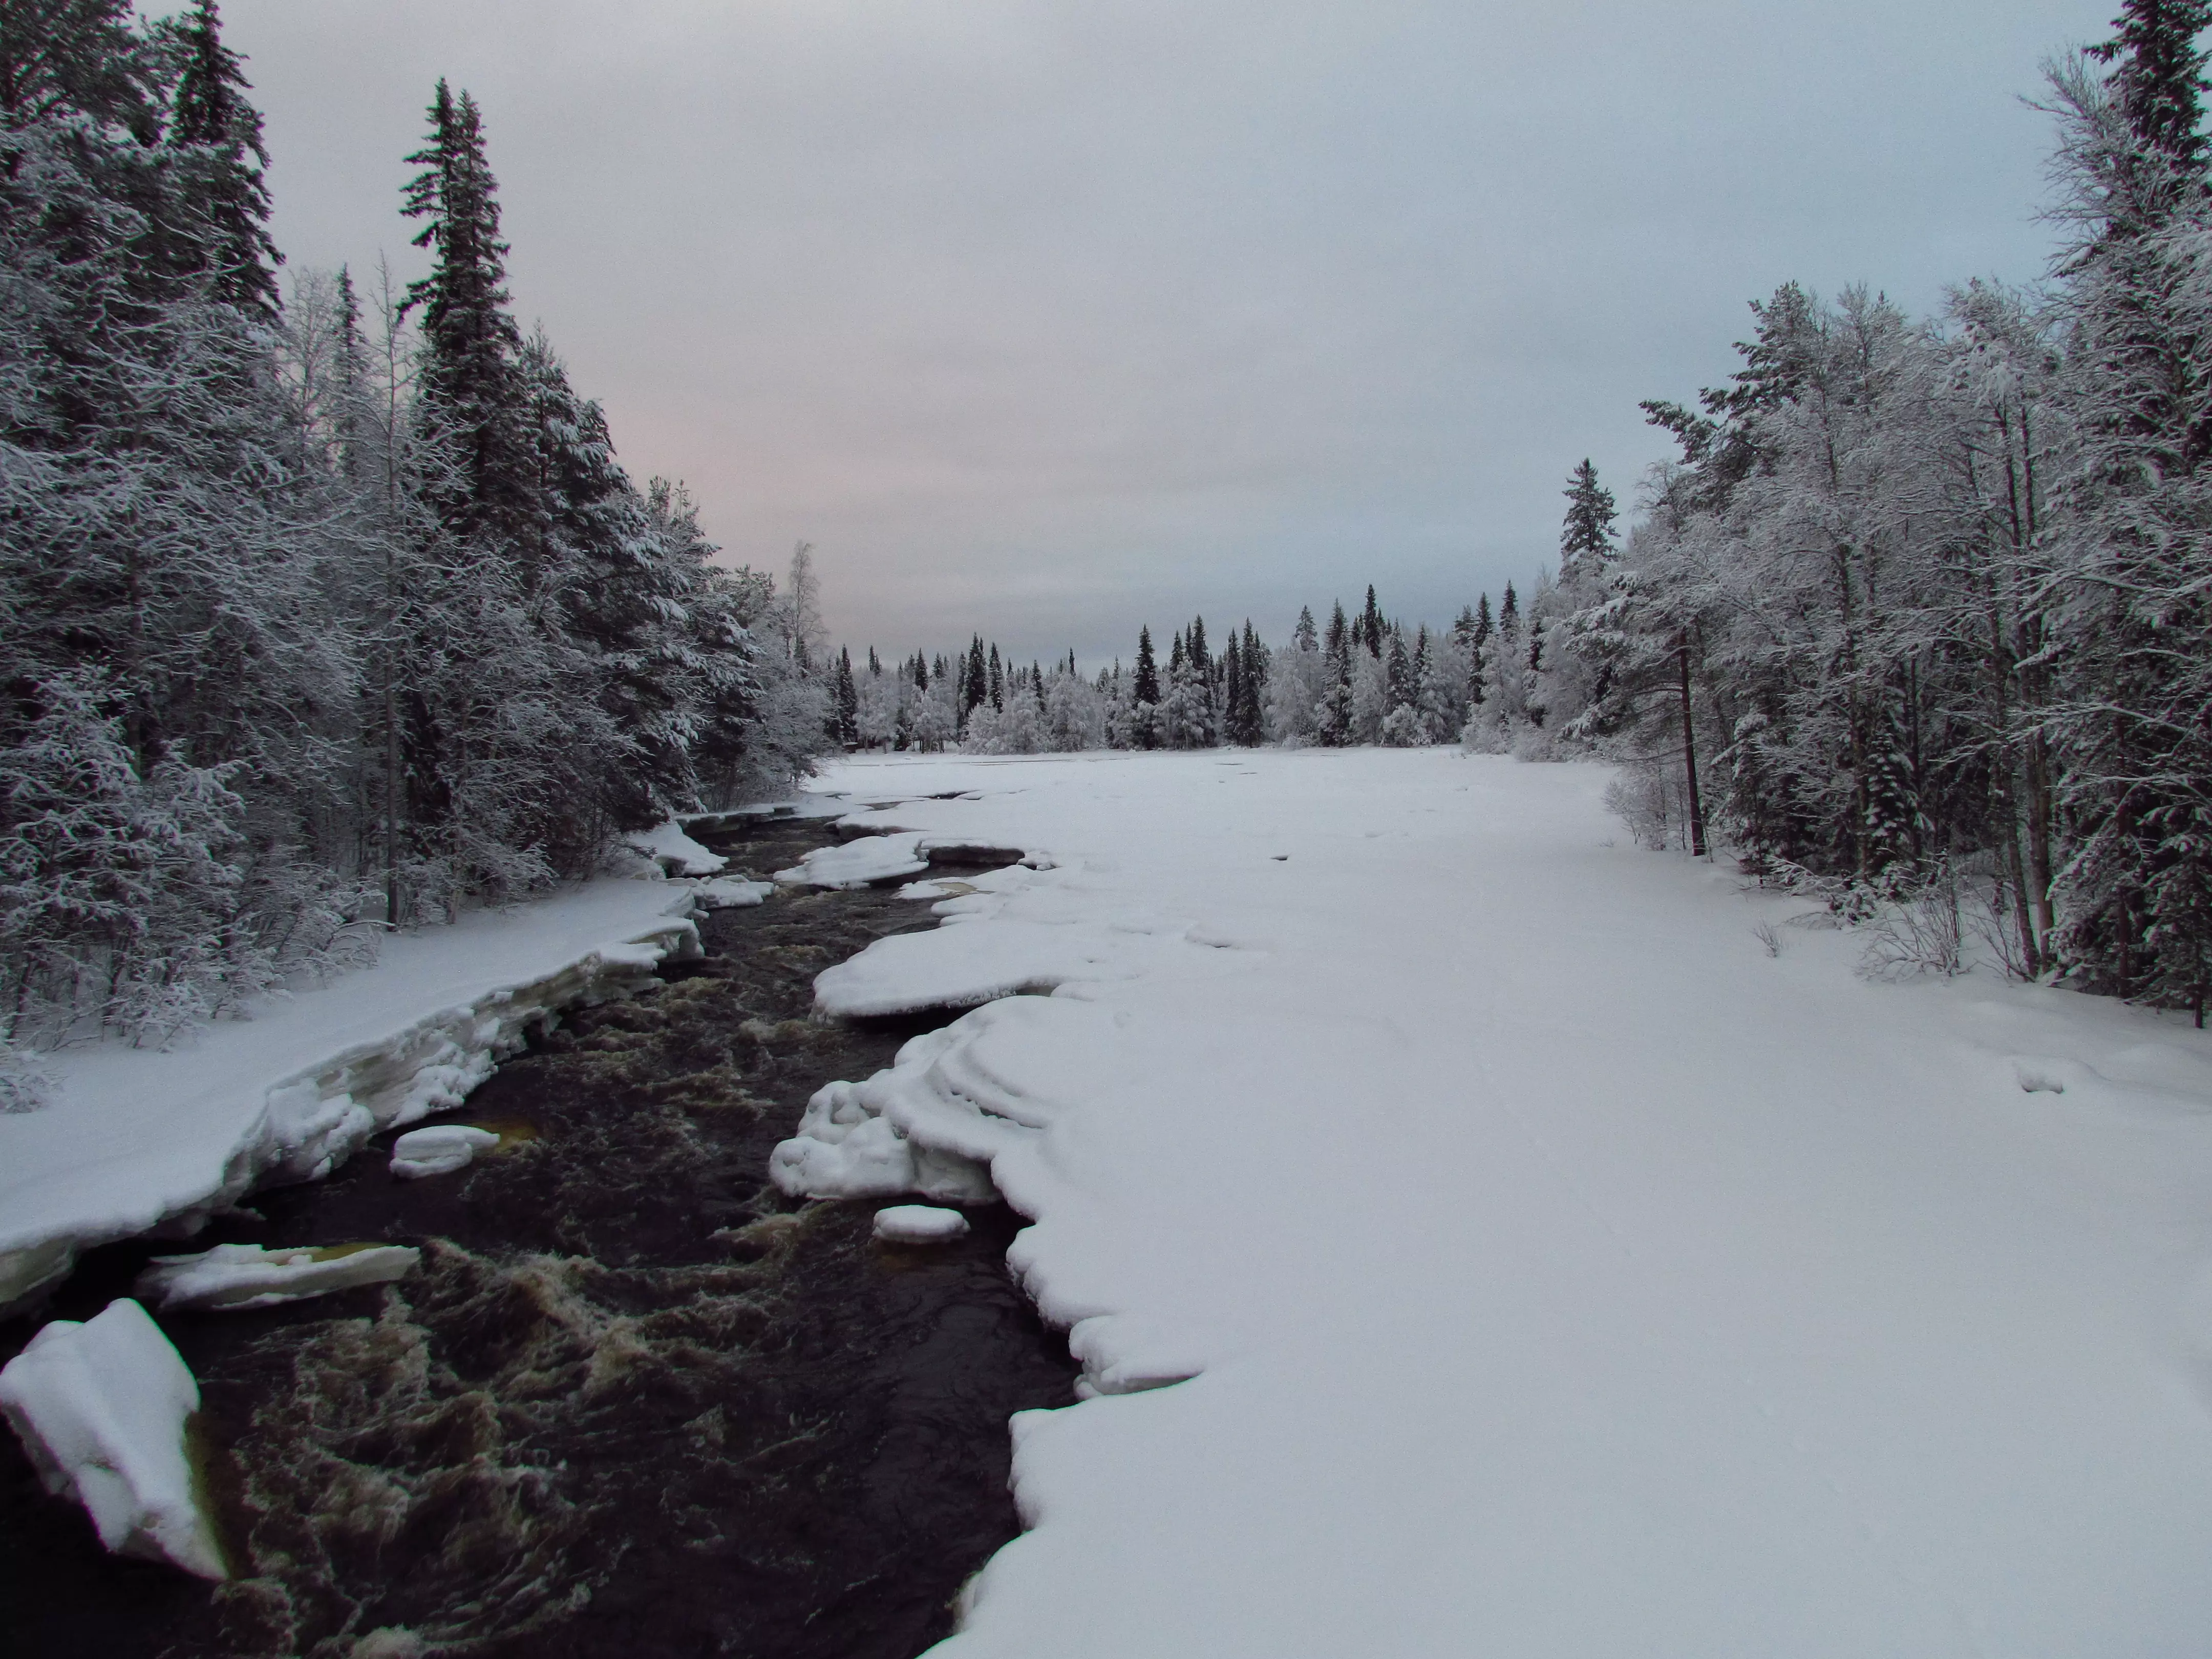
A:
(1551, 1268)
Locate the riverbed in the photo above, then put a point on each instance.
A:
(633, 1400)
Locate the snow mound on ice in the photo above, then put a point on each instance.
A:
(858, 863)
(668, 846)
(247, 1276)
(978, 957)
(732, 893)
(438, 1150)
(941, 1118)
(136, 1139)
(919, 1224)
(101, 1408)
(873, 859)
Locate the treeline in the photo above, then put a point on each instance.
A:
(1498, 681)
(1367, 680)
(320, 610)
(1929, 601)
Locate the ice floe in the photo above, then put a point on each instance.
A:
(667, 845)
(919, 1224)
(883, 858)
(440, 1150)
(102, 1408)
(241, 1276)
(732, 893)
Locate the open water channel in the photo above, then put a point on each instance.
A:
(633, 1402)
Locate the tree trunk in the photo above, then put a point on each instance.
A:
(1690, 753)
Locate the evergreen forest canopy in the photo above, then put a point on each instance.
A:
(317, 609)
(1923, 607)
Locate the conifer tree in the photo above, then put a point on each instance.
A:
(975, 686)
(2158, 79)
(1146, 687)
(848, 701)
(998, 681)
(218, 134)
(1586, 538)
(1232, 690)
(1370, 625)
(471, 379)
(1251, 720)
(1334, 716)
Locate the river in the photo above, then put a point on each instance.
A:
(633, 1402)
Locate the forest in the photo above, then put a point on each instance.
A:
(325, 608)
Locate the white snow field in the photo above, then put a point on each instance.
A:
(138, 1139)
(1554, 1271)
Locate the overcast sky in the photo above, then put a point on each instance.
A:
(1048, 319)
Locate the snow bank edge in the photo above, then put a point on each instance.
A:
(313, 1119)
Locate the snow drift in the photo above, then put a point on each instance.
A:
(139, 1141)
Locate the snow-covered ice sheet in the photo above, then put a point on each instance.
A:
(1553, 1271)
(440, 1150)
(669, 845)
(733, 893)
(137, 1139)
(857, 863)
(100, 1407)
(885, 857)
(918, 1224)
(243, 1276)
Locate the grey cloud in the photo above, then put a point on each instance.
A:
(1048, 319)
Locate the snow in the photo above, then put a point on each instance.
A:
(101, 1408)
(241, 1276)
(668, 846)
(1474, 1241)
(438, 1150)
(136, 1139)
(919, 1224)
(857, 863)
(886, 857)
(732, 893)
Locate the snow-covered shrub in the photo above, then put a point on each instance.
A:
(1402, 728)
(1923, 933)
(1642, 796)
(25, 1086)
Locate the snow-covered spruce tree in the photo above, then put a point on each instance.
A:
(2134, 716)
(1139, 719)
(1185, 716)
(1296, 680)
(1501, 719)
(1332, 713)
(219, 158)
(612, 593)
(149, 579)
(846, 698)
(1443, 674)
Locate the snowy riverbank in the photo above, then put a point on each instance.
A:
(136, 1139)
(1556, 1271)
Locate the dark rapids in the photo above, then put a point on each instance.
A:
(633, 1402)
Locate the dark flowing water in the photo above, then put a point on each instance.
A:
(633, 1402)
